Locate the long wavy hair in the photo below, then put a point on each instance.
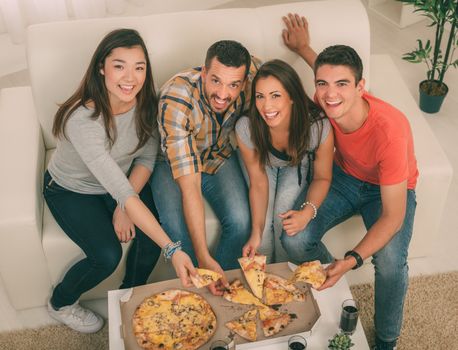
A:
(304, 113)
(92, 89)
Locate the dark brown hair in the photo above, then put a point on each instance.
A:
(92, 89)
(341, 55)
(230, 53)
(303, 113)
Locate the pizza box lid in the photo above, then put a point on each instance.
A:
(307, 312)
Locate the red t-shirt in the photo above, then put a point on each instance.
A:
(381, 151)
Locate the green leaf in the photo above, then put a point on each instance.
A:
(428, 45)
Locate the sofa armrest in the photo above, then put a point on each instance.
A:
(435, 169)
(22, 262)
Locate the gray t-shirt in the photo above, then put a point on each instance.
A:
(243, 131)
(85, 163)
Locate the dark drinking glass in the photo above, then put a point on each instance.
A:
(219, 345)
(349, 316)
(296, 342)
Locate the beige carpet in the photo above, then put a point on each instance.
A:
(54, 338)
(430, 312)
(430, 321)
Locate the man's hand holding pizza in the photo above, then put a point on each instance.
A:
(335, 271)
(218, 287)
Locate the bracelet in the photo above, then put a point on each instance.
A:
(170, 249)
(315, 210)
(359, 260)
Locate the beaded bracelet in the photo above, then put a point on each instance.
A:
(170, 249)
(315, 210)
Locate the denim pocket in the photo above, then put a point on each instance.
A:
(51, 186)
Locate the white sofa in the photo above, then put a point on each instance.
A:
(34, 252)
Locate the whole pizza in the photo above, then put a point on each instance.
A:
(174, 319)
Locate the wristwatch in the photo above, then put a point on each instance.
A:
(359, 260)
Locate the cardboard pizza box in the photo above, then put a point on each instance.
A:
(306, 313)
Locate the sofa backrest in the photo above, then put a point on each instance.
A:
(59, 53)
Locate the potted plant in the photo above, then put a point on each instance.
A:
(441, 13)
(340, 341)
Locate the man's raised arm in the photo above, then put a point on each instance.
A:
(296, 37)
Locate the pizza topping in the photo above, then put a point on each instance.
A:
(174, 319)
(254, 271)
(238, 294)
(273, 321)
(245, 326)
(311, 272)
(278, 290)
(204, 277)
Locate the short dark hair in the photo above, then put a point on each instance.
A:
(341, 55)
(230, 53)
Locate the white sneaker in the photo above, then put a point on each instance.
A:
(77, 318)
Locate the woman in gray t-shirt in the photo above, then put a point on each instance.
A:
(96, 182)
(287, 147)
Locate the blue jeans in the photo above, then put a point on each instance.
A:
(285, 194)
(227, 194)
(349, 196)
(87, 221)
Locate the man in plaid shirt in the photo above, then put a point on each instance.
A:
(198, 109)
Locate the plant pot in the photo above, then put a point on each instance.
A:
(432, 94)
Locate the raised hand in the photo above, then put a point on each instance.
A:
(296, 35)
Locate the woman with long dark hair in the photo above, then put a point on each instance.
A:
(287, 147)
(96, 182)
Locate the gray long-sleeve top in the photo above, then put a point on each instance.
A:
(84, 163)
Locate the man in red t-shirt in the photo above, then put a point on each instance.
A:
(374, 175)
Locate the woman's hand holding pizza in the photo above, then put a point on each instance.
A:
(183, 267)
(252, 245)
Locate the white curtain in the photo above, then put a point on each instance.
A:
(16, 15)
(14, 20)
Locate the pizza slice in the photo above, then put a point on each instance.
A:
(204, 277)
(272, 321)
(245, 326)
(254, 271)
(237, 293)
(278, 290)
(311, 272)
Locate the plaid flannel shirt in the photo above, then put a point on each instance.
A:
(192, 139)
